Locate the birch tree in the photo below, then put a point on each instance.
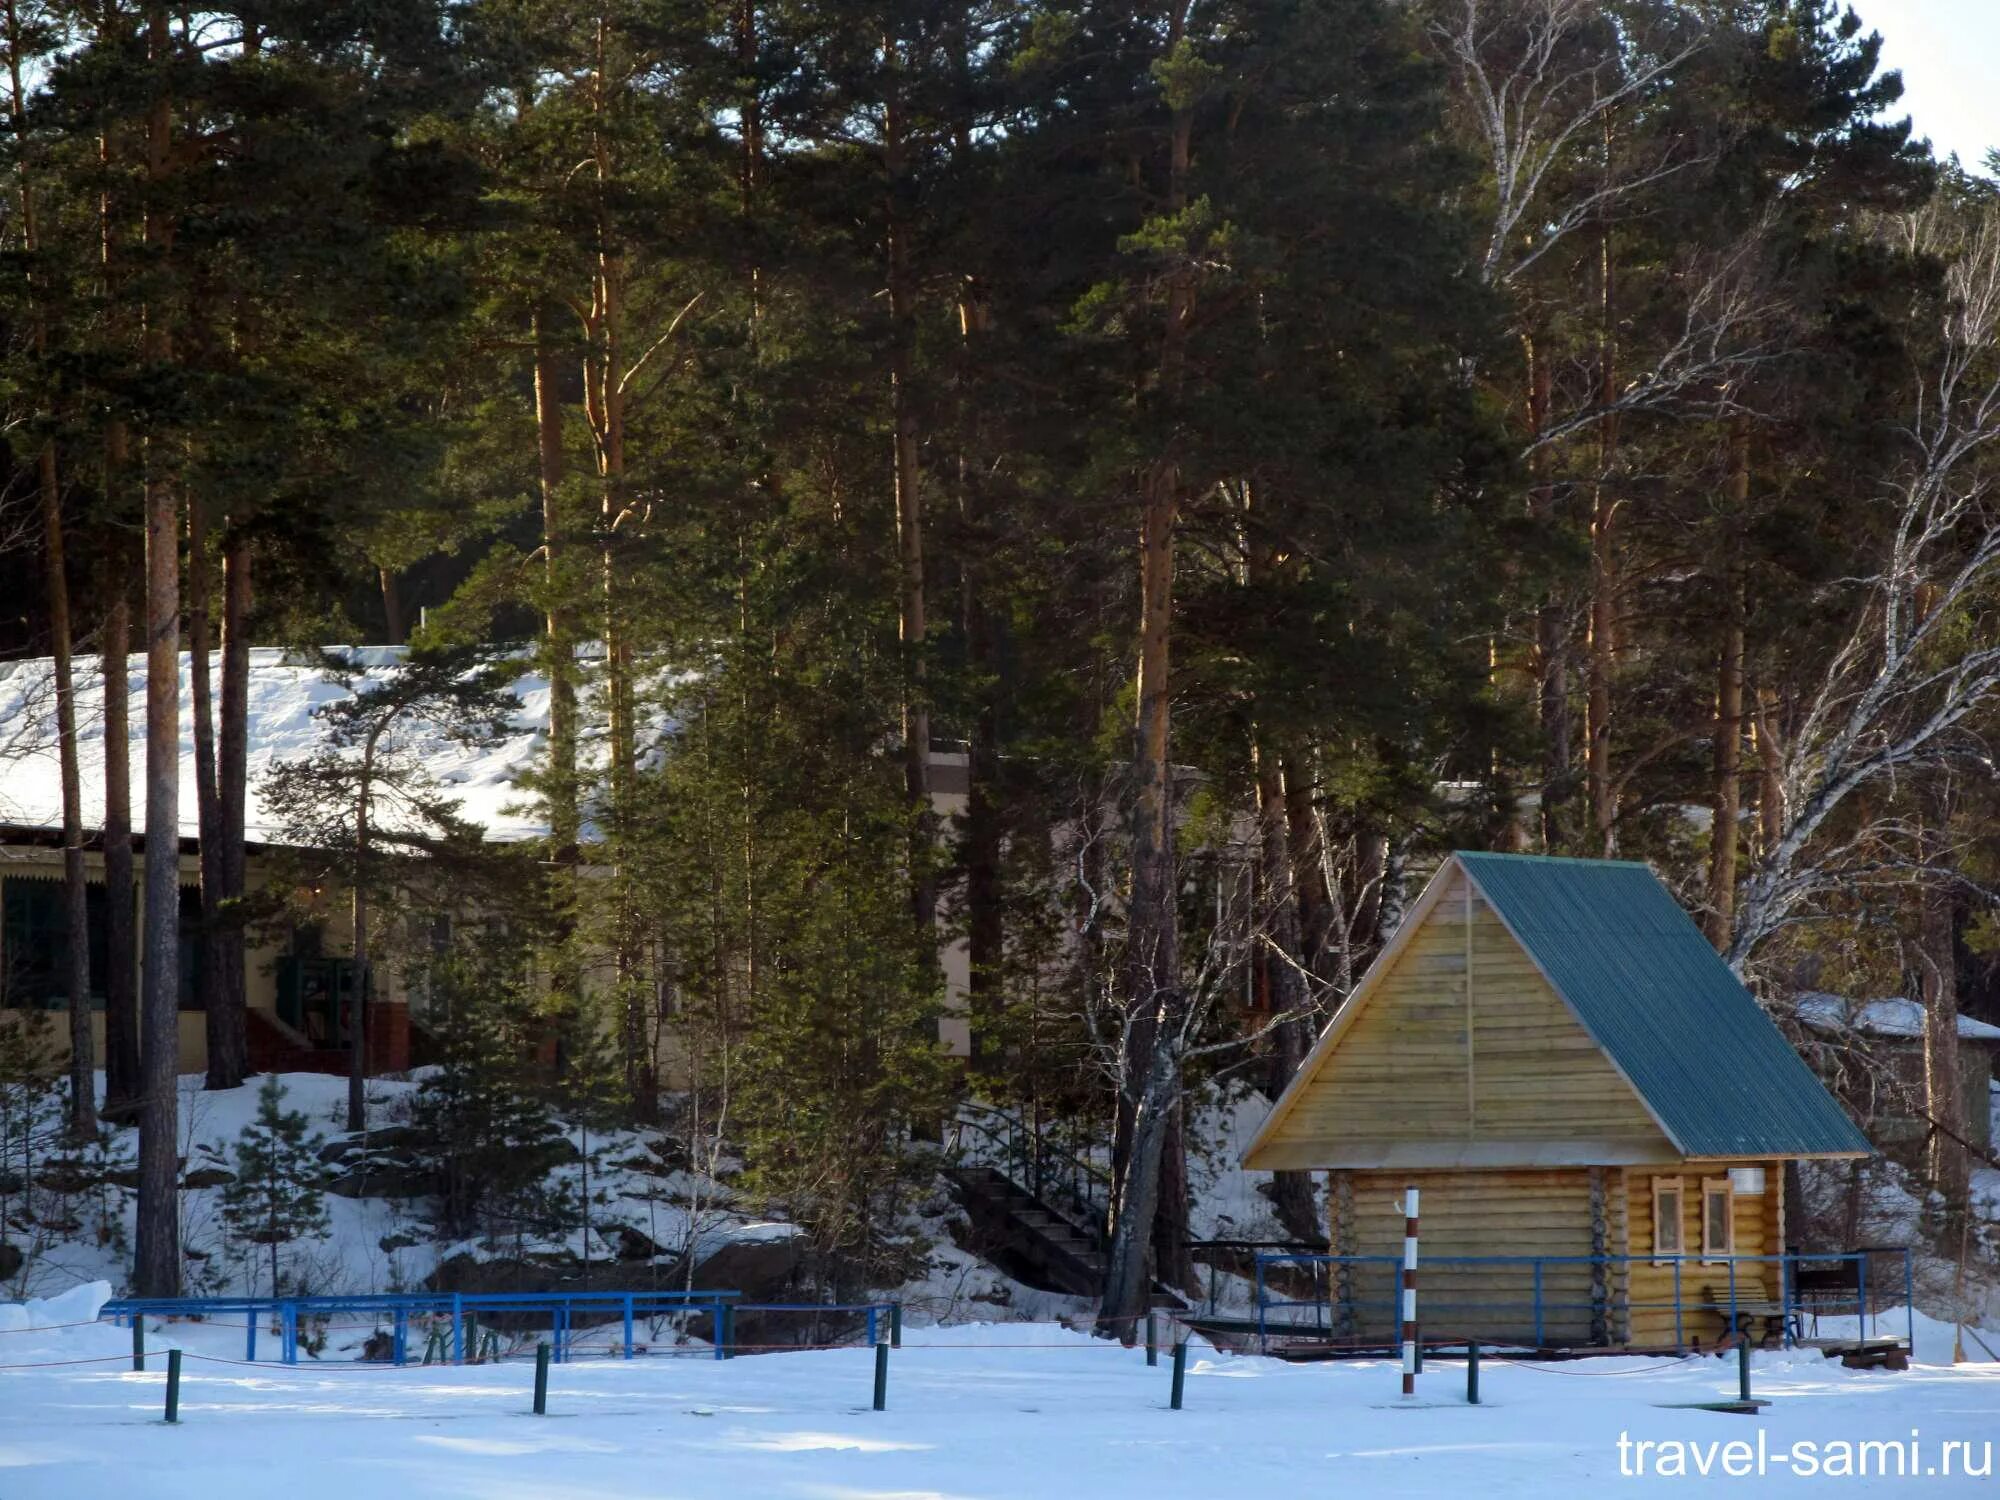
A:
(1903, 688)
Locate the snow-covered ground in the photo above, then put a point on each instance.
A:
(989, 1410)
(373, 1244)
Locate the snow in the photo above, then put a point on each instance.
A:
(285, 693)
(993, 1411)
(80, 1304)
(1896, 1016)
(378, 1244)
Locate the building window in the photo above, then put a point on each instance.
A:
(34, 943)
(192, 950)
(1718, 1234)
(1667, 1216)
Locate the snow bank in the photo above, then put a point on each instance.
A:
(1935, 1339)
(80, 1304)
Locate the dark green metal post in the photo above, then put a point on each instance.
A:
(542, 1379)
(1152, 1340)
(173, 1385)
(881, 1377)
(1743, 1370)
(1180, 1373)
(895, 1325)
(138, 1341)
(1472, 1373)
(725, 1319)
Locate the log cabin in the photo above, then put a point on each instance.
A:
(1597, 1113)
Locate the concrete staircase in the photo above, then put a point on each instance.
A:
(1027, 1238)
(1034, 1242)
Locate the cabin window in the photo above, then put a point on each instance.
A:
(1718, 1218)
(1667, 1216)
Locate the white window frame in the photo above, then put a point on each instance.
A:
(1710, 1248)
(1676, 1186)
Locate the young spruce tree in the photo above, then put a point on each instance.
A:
(276, 1197)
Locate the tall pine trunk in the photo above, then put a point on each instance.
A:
(76, 890)
(82, 1119)
(228, 1040)
(1149, 1072)
(912, 621)
(560, 788)
(157, 1257)
(357, 1010)
(121, 953)
(1552, 709)
(604, 387)
(1603, 563)
(1283, 960)
(224, 1070)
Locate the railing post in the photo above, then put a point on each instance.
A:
(1263, 1337)
(1152, 1340)
(542, 1379)
(1680, 1331)
(1538, 1302)
(881, 1377)
(872, 1339)
(1180, 1373)
(1472, 1372)
(400, 1343)
(173, 1385)
(288, 1330)
(250, 1336)
(457, 1328)
(1861, 1292)
(1909, 1301)
(895, 1325)
(628, 1325)
(1732, 1296)
(139, 1341)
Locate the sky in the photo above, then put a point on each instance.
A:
(1949, 54)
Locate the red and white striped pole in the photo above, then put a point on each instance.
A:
(1409, 1292)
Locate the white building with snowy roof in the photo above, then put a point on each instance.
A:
(298, 976)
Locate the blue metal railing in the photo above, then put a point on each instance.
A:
(400, 1311)
(1542, 1311)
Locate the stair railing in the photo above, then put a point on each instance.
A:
(1044, 1166)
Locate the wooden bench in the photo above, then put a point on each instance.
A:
(1744, 1313)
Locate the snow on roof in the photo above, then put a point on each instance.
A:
(284, 693)
(1893, 1018)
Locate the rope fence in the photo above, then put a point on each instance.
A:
(1179, 1336)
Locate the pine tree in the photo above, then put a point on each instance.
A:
(277, 1196)
(367, 801)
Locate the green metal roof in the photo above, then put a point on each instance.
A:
(1664, 1007)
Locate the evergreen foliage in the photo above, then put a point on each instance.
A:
(1120, 487)
(276, 1196)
